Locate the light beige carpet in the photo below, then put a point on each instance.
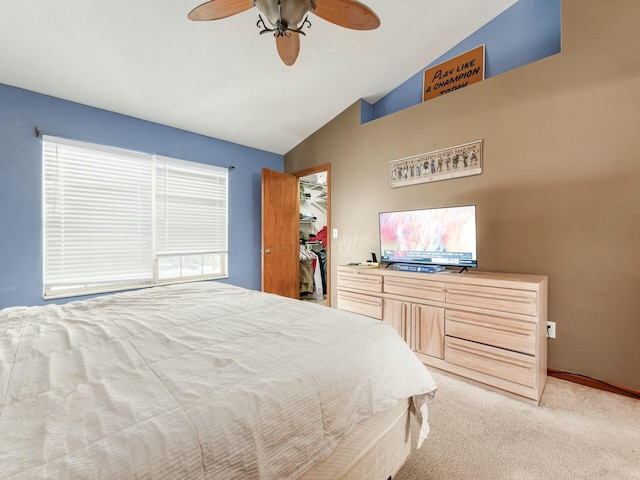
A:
(577, 432)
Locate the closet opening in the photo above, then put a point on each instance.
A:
(314, 238)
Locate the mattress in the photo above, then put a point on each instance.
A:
(192, 381)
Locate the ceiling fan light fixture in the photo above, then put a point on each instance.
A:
(289, 13)
(287, 18)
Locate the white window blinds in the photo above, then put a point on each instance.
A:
(191, 207)
(101, 233)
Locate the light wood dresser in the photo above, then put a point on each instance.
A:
(489, 328)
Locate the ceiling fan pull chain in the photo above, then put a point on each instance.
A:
(280, 18)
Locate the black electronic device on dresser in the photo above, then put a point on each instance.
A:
(443, 236)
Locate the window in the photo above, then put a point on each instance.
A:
(115, 219)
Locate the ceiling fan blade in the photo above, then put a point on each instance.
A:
(347, 13)
(288, 47)
(216, 9)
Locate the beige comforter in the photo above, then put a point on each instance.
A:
(192, 381)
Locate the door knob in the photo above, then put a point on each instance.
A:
(267, 250)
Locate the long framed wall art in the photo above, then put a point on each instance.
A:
(453, 162)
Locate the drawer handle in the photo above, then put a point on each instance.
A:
(362, 279)
(491, 356)
(418, 287)
(515, 330)
(364, 301)
(504, 298)
(372, 302)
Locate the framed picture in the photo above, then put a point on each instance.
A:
(453, 162)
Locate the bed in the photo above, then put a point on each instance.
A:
(204, 381)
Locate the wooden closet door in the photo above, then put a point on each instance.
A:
(280, 232)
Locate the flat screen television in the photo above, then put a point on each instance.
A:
(434, 236)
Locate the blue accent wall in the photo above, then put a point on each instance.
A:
(21, 181)
(527, 31)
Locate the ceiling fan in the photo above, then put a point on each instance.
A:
(287, 18)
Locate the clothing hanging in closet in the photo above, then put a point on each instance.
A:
(310, 273)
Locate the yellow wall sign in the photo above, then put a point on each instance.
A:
(454, 74)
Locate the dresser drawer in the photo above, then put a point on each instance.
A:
(360, 281)
(502, 299)
(505, 330)
(415, 288)
(362, 304)
(511, 366)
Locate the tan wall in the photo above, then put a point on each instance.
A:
(559, 194)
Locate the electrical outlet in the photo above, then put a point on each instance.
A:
(551, 329)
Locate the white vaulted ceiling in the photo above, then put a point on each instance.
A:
(222, 79)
